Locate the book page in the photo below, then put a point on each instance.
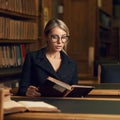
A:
(82, 86)
(63, 84)
(39, 106)
(13, 107)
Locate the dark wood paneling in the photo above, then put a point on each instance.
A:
(80, 16)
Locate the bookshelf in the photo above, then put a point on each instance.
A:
(116, 9)
(105, 48)
(18, 35)
(116, 25)
(104, 41)
(104, 34)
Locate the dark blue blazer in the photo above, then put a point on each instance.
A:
(37, 68)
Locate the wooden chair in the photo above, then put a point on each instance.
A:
(109, 73)
(5, 95)
(1, 104)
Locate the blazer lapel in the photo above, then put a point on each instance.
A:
(42, 62)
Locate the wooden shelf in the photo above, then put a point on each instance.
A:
(16, 15)
(18, 35)
(10, 71)
(10, 75)
(17, 41)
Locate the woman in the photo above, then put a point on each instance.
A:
(51, 60)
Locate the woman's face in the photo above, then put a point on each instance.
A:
(57, 38)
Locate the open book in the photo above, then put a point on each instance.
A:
(56, 88)
(12, 106)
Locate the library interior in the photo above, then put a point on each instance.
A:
(94, 45)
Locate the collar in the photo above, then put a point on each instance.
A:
(41, 61)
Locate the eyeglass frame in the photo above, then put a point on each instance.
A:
(59, 38)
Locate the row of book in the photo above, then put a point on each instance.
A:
(12, 56)
(104, 19)
(16, 29)
(105, 41)
(20, 6)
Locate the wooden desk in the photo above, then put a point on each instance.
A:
(106, 90)
(60, 116)
(74, 109)
(105, 93)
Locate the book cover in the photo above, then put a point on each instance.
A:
(51, 89)
(56, 88)
(79, 91)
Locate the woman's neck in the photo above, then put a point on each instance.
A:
(54, 55)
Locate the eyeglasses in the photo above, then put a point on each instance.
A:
(55, 38)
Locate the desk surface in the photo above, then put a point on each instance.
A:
(106, 90)
(79, 105)
(74, 108)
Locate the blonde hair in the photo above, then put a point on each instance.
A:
(56, 23)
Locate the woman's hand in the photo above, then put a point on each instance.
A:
(33, 91)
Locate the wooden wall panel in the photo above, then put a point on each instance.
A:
(80, 16)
